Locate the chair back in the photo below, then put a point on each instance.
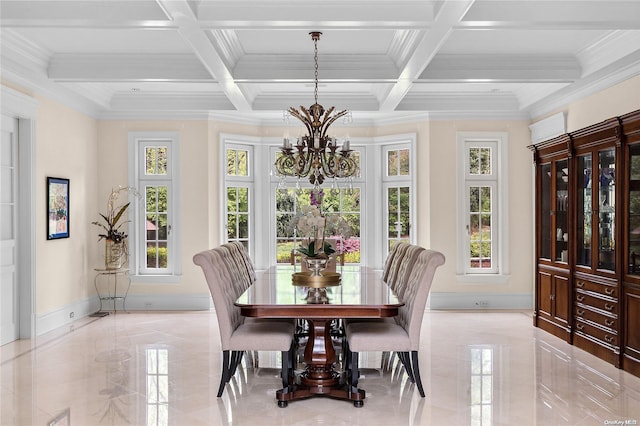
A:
(243, 261)
(223, 292)
(236, 271)
(398, 256)
(405, 268)
(416, 293)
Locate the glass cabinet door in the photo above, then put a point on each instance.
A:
(562, 218)
(633, 255)
(585, 211)
(606, 209)
(545, 212)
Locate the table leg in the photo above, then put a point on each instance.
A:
(320, 377)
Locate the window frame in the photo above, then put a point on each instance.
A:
(137, 229)
(370, 183)
(238, 181)
(498, 180)
(398, 143)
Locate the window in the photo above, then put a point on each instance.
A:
(481, 199)
(344, 202)
(258, 205)
(398, 184)
(153, 248)
(239, 191)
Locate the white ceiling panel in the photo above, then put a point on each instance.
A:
(386, 60)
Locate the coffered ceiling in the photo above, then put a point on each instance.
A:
(385, 60)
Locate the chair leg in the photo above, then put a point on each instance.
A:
(285, 368)
(406, 362)
(224, 376)
(355, 372)
(416, 372)
(236, 357)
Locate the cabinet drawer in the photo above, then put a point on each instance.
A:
(603, 303)
(608, 337)
(605, 290)
(587, 315)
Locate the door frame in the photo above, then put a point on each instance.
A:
(24, 108)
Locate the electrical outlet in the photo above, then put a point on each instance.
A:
(147, 305)
(71, 314)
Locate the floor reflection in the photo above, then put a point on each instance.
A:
(478, 368)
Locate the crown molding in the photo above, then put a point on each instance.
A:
(602, 79)
(612, 47)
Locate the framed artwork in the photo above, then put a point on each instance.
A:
(57, 208)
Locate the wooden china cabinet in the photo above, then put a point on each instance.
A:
(553, 280)
(588, 239)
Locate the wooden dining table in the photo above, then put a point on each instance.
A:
(361, 293)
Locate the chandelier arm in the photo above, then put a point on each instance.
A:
(306, 121)
(328, 122)
(329, 165)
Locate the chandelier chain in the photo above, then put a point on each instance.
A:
(315, 61)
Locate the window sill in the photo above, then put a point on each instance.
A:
(155, 279)
(483, 278)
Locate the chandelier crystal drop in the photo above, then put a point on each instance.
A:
(316, 155)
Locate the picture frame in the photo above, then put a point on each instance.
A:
(57, 208)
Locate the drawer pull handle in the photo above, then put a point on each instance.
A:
(608, 290)
(609, 323)
(608, 307)
(580, 327)
(580, 284)
(609, 339)
(580, 312)
(580, 298)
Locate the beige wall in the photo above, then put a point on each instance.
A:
(443, 203)
(93, 154)
(66, 147)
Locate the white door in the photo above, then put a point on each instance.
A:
(9, 324)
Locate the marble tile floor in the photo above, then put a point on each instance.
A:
(158, 368)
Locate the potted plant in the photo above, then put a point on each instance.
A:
(313, 226)
(112, 223)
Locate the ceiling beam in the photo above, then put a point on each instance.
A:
(182, 14)
(450, 14)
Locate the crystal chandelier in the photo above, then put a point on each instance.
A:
(316, 155)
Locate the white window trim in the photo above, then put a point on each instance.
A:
(391, 143)
(503, 274)
(265, 181)
(239, 143)
(135, 230)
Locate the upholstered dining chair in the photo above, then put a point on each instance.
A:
(236, 335)
(394, 260)
(403, 335)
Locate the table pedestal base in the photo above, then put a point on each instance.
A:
(319, 377)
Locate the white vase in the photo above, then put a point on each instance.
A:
(114, 254)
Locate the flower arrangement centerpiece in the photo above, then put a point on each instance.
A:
(312, 225)
(316, 230)
(112, 223)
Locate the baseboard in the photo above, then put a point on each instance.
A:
(65, 315)
(166, 302)
(135, 302)
(480, 301)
